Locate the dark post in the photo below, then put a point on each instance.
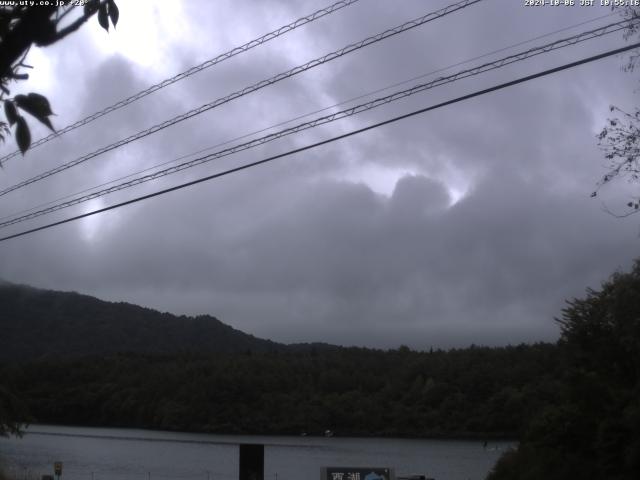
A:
(251, 462)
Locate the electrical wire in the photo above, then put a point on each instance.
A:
(563, 43)
(257, 86)
(193, 70)
(308, 114)
(329, 140)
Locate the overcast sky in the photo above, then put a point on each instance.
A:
(470, 223)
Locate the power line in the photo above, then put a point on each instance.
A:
(330, 140)
(193, 70)
(308, 114)
(257, 86)
(581, 37)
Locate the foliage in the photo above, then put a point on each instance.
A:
(13, 413)
(593, 431)
(474, 392)
(620, 138)
(22, 26)
(631, 13)
(620, 142)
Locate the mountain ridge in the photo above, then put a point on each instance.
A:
(38, 323)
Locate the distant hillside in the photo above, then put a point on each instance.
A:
(37, 323)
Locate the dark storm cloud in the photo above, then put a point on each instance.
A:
(484, 230)
(368, 267)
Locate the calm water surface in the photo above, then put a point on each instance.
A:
(119, 454)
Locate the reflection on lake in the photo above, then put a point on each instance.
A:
(123, 454)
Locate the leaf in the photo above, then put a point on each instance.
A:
(45, 33)
(103, 16)
(5, 21)
(23, 135)
(48, 123)
(34, 103)
(10, 112)
(90, 7)
(114, 13)
(37, 105)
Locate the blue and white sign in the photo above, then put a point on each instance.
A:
(357, 473)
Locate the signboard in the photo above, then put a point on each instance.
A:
(251, 461)
(357, 473)
(57, 468)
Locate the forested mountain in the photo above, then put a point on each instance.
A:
(38, 323)
(74, 359)
(478, 392)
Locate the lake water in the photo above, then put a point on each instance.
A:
(123, 454)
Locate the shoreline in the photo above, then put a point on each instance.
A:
(36, 429)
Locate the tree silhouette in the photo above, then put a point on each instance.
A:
(593, 430)
(23, 26)
(620, 138)
(13, 413)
